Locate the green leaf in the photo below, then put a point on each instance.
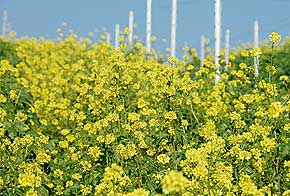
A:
(42, 191)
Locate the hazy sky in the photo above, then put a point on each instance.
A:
(195, 17)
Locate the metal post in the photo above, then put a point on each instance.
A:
(117, 35)
(108, 38)
(173, 27)
(227, 49)
(217, 37)
(131, 27)
(5, 24)
(148, 25)
(256, 45)
(202, 50)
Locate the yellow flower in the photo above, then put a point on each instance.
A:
(174, 182)
(1, 181)
(268, 144)
(286, 193)
(86, 189)
(256, 52)
(31, 192)
(42, 157)
(126, 152)
(13, 95)
(69, 183)
(275, 110)
(2, 114)
(133, 117)
(185, 48)
(141, 103)
(94, 152)
(3, 99)
(26, 179)
(110, 138)
(284, 79)
(76, 176)
(275, 38)
(287, 164)
(271, 69)
(243, 66)
(121, 38)
(64, 132)
(170, 116)
(244, 53)
(63, 144)
(2, 131)
(190, 67)
(172, 60)
(248, 187)
(184, 123)
(163, 159)
(150, 152)
(287, 127)
(127, 31)
(152, 122)
(138, 192)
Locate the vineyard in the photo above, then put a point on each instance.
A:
(83, 118)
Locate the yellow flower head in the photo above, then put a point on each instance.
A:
(275, 38)
(126, 31)
(172, 60)
(256, 52)
(163, 159)
(174, 182)
(170, 116)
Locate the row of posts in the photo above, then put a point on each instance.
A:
(6, 30)
(218, 23)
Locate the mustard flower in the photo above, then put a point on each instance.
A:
(76, 176)
(172, 60)
(1, 181)
(170, 115)
(3, 99)
(94, 152)
(31, 180)
(275, 38)
(31, 192)
(174, 182)
(256, 52)
(163, 159)
(138, 192)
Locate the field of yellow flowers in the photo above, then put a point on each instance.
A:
(79, 118)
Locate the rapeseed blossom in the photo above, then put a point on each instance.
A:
(87, 119)
(275, 38)
(174, 182)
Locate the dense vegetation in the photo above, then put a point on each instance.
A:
(78, 118)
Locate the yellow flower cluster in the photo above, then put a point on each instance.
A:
(163, 159)
(275, 38)
(174, 182)
(87, 119)
(256, 52)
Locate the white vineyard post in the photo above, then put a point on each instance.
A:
(256, 45)
(117, 35)
(202, 50)
(148, 25)
(227, 49)
(108, 38)
(5, 24)
(131, 27)
(217, 38)
(173, 27)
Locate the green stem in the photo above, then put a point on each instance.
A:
(194, 114)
